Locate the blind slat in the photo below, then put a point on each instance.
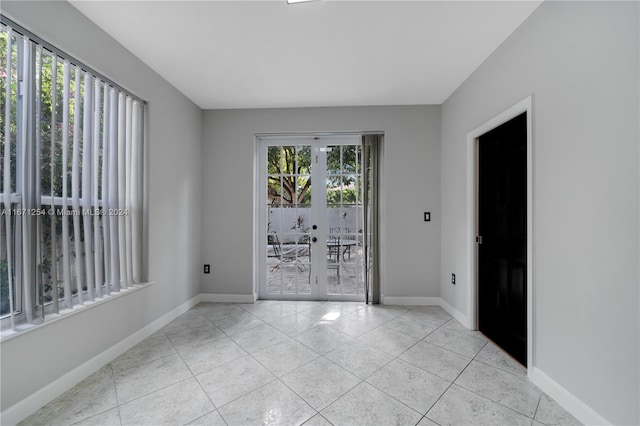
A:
(127, 217)
(52, 218)
(7, 173)
(75, 187)
(87, 195)
(23, 222)
(113, 189)
(95, 180)
(105, 188)
(122, 169)
(135, 193)
(66, 253)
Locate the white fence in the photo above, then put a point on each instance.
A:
(289, 223)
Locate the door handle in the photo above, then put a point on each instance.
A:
(314, 239)
(479, 239)
(314, 227)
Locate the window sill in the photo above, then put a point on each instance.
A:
(22, 329)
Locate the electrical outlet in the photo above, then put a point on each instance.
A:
(207, 268)
(453, 279)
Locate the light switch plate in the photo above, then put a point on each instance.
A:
(427, 216)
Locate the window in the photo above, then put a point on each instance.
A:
(71, 181)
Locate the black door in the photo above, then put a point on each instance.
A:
(502, 252)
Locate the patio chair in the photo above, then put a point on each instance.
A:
(333, 252)
(288, 254)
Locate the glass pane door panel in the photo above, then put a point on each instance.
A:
(288, 263)
(343, 221)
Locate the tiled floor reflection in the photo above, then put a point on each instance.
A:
(311, 363)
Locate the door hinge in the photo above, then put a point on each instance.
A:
(316, 280)
(479, 239)
(316, 158)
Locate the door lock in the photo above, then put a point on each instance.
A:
(314, 227)
(314, 239)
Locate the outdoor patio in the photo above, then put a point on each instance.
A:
(292, 276)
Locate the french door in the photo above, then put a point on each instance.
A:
(310, 233)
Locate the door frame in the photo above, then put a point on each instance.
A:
(525, 105)
(260, 237)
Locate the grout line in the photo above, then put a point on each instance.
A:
(204, 415)
(246, 393)
(537, 407)
(448, 387)
(115, 389)
(495, 402)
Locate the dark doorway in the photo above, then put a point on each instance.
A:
(502, 227)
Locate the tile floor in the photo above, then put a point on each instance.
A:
(311, 363)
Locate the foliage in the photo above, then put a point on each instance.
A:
(289, 174)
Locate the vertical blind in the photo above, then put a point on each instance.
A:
(71, 170)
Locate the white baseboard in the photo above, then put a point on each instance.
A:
(29, 405)
(228, 298)
(568, 401)
(463, 319)
(418, 301)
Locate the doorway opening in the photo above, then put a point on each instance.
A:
(314, 223)
(500, 240)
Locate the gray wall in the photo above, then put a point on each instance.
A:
(33, 360)
(411, 184)
(580, 63)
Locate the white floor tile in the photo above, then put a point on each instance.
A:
(496, 357)
(411, 326)
(320, 382)
(285, 356)
(551, 413)
(149, 349)
(180, 403)
(92, 396)
(515, 392)
(459, 406)
(258, 338)
(106, 418)
(359, 358)
(212, 419)
(456, 342)
(436, 360)
(211, 355)
(234, 379)
(323, 339)
(388, 340)
(146, 378)
(409, 384)
(366, 405)
(273, 404)
(317, 420)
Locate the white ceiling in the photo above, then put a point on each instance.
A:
(266, 54)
